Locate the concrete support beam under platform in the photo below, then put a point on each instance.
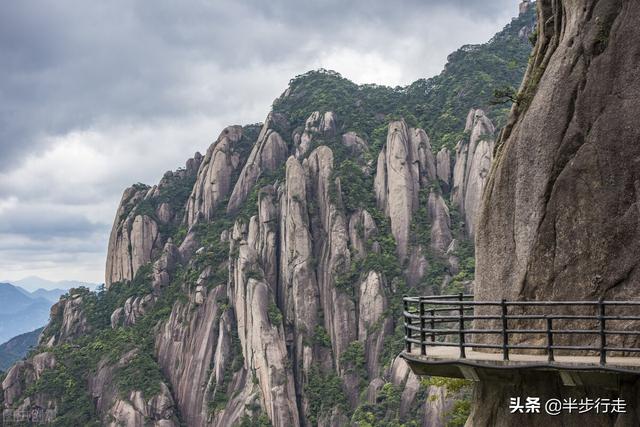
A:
(480, 366)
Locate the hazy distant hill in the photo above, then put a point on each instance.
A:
(20, 311)
(33, 283)
(52, 295)
(17, 348)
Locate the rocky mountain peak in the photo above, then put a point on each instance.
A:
(260, 283)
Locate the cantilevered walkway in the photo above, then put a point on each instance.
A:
(584, 342)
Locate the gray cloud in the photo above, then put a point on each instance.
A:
(97, 95)
(42, 226)
(70, 64)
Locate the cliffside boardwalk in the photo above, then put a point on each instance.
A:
(455, 336)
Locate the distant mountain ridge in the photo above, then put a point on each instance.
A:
(22, 311)
(52, 295)
(17, 348)
(35, 283)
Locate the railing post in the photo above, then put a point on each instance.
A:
(432, 313)
(550, 338)
(603, 336)
(423, 336)
(505, 334)
(461, 313)
(407, 321)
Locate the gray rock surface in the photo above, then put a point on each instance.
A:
(440, 222)
(373, 325)
(135, 409)
(559, 217)
(68, 321)
(318, 125)
(403, 165)
(355, 143)
(215, 175)
(472, 167)
(261, 337)
(443, 168)
(268, 154)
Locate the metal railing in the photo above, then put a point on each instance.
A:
(459, 321)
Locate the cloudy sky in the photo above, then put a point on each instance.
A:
(97, 95)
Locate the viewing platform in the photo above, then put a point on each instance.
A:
(591, 343)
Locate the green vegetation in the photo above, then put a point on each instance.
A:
(421, 223)
(458, 389)
(17, 348)
(258, 420)
(439, 104)
(385, 412)
(324, 392)
(321, 337)
(356, 186)
(220, 397)
(78, 361)
(466, 255)
(274, 314)
(141, 373)
(353, 360)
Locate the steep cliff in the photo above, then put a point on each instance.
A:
(146, 218)
(262, 283)
(472, 166)
(559, 217)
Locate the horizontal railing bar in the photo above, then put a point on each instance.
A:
(443, 332)
(521, 346)
(428, 316)
(436, 309)
(495, 346)
(456, 301)
(456, 297)
(622, 349)
(515, 346)
(435, 297)
(524, 317)
(521, 331)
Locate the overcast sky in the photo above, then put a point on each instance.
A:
(97, 95)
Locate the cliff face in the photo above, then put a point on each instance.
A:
(472, 166)
(284, 312)
(405, 163)
(146, 216)
(559, 217)
(300, 297)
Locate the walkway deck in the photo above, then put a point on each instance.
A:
(437, 355)
(478, 365)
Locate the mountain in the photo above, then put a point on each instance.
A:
(13, 299)
(17, 348)
(262, 283)
(34, 283)
(52, 295)
(20, 312)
